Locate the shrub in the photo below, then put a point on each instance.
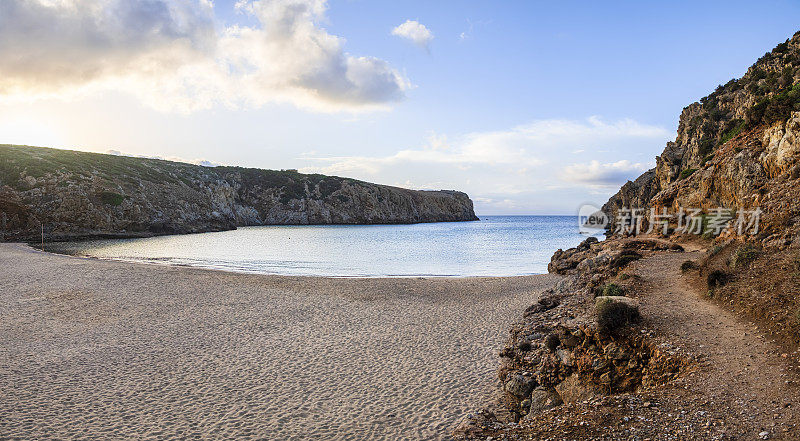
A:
(715, 250)
(624, 259)
(735, 127)
(716, 278)
(744, 255)
(688, 265)
(774, 108)
(610, 289)
(686, 173)
(111, 198)
(551, 342)
(706, 147)
(614, 313)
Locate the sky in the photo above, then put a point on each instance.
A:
(529, 107)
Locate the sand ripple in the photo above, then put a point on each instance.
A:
(93, 349)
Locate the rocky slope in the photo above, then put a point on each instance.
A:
(78, 194)
(587, 362)
(737, 148)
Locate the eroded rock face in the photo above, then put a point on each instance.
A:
(77, 194)
(781, 144)
(733, 148)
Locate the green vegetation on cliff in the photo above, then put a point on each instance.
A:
(79, 194)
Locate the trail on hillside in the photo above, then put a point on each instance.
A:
(746, 377)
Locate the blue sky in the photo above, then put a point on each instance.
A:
(530, 107)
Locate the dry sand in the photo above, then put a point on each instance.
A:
(99, 349)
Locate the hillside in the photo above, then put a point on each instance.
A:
(688, 330)
(739, 149)
(736, 148)
(79, 195)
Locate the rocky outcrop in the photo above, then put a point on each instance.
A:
(580, 341)
(737, 148)
(78, 194)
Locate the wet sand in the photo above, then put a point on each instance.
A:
(101, 349)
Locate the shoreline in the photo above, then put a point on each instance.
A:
(171, 350)
(32, 246)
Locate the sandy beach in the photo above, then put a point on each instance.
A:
(93, 349)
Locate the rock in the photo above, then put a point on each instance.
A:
(764, 435)
(565, 357)
(83, 195)
(519, 385)
(551, 342)
(571, 390)
(542, 399)
(613, 351)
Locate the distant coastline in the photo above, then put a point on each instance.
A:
(79, 195)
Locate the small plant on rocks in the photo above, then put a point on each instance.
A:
(744, 255)
(716, 278)
(612, 289)
(715, 250)
(614, 314)
(688, 265)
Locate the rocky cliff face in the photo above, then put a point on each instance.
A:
(77, 194)
(736, 148)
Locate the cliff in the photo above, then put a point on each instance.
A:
(639, 327)
(737, 148)
(79, 195)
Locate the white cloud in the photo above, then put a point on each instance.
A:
(526, 167)
(172, 54)
(414, 31)
(611, 174)
(198, 161)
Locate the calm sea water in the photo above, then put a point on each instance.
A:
(493, 246)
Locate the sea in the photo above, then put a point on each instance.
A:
(492, 246)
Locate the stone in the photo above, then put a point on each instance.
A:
(572, 390)
(614, 352)
(519, 385)
(565, 357)
(543, 398)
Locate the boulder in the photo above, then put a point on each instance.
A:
(572, 390)
(519, 385)
(543, 398)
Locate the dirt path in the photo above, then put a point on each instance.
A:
(744, 377)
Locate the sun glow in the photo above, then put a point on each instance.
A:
(29, 131)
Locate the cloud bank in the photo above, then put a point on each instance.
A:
(504, 170)
(415, 32)
(173, 55)
(603, 174)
